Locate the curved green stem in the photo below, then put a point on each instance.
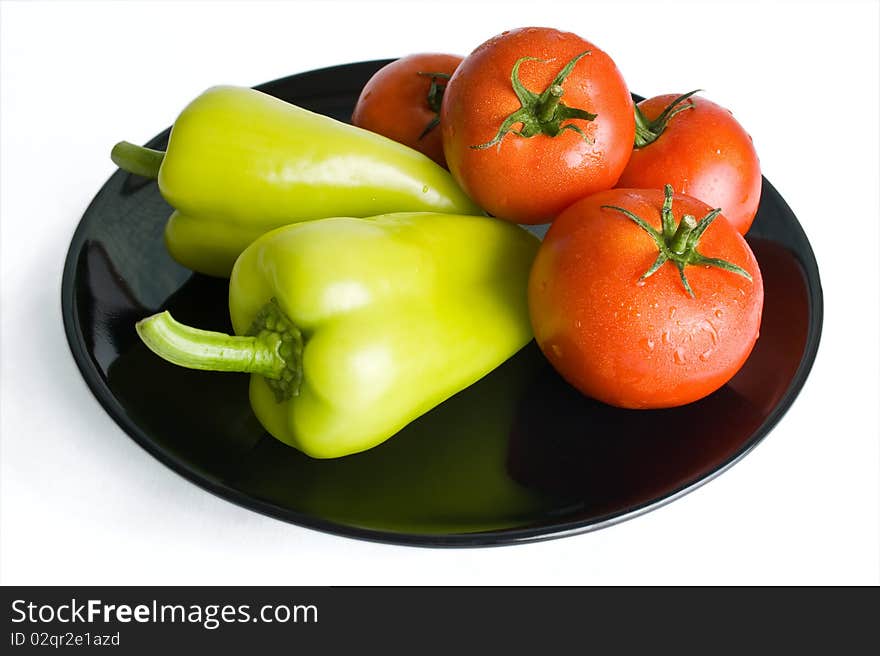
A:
(208, 350)
(137, 159)
(272, 348)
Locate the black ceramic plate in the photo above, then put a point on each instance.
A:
(518, 456)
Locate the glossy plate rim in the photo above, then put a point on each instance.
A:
(538, 532)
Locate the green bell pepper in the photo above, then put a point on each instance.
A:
(353, 327)
(447, 472)
(241, 162)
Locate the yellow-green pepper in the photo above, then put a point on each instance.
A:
(241, 162)
(353, 327)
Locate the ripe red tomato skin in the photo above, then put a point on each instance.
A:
(704, 152)
(393, 103)
(635, 345)
(532, 180)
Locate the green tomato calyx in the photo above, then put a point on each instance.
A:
(542, 113)
(434, 99)
(272, 348)
(647, 131)
(678, 243)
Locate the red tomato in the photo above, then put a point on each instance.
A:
(636, 339)
(402, 101)
(570, 153)
(702, 152)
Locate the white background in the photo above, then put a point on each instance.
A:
(83, 504)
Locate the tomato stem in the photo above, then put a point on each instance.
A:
(679, 240)
(647, 132)
(546, 109)
(678, 244)
(543, 113)
(434, 99)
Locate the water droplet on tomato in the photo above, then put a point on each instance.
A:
(719, 313)
(705, 355)
(666, 337)
(640, 283)
(648, 344)
(672, 312)
(709, 328)
(679, 356)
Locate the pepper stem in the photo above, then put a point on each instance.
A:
(272, 348)
(137, 159)
(208, 350)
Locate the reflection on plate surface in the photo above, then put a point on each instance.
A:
(518, 456)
